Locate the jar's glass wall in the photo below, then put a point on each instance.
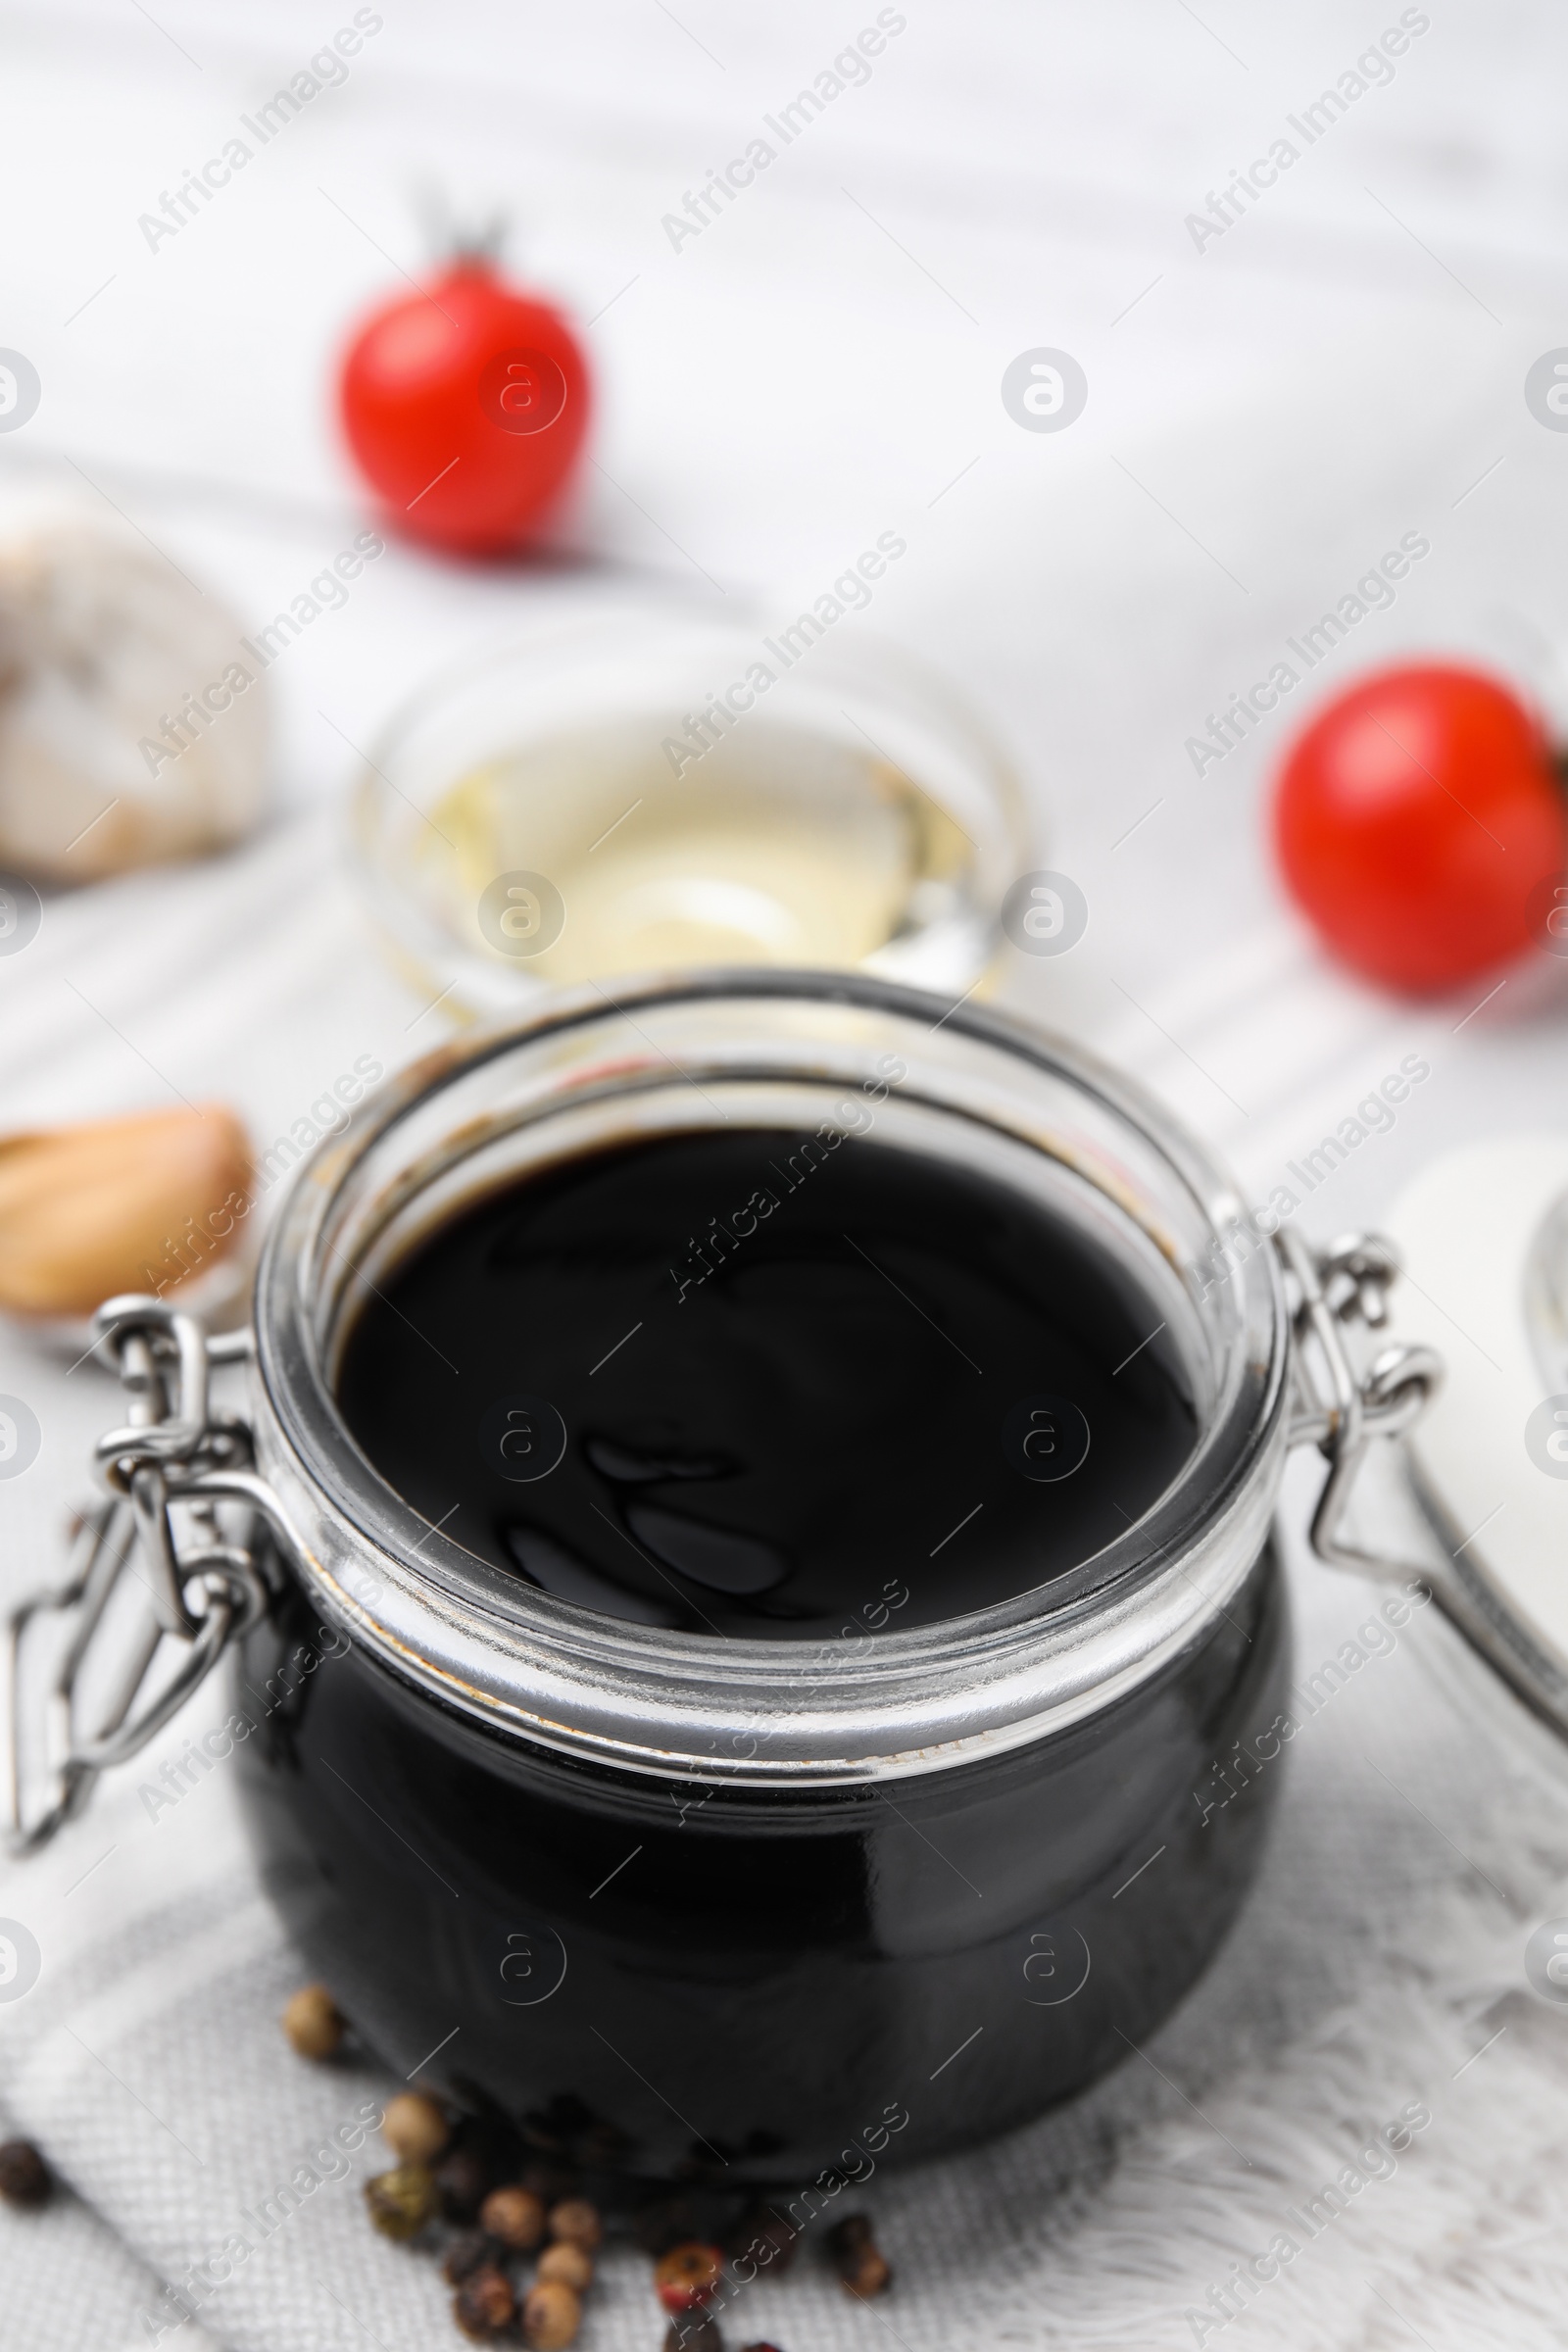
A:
(682, 1981)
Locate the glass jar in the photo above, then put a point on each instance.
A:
(722, 1903)
(691, 1907)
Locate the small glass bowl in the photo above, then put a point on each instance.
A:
(652, 785)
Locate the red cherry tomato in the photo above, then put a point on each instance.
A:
(466, 409)
(1413, 819)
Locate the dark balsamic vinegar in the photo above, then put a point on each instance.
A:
(746, 1383)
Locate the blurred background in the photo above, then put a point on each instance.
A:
(1267, 410)
(1265, 413)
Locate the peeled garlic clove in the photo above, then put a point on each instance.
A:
(133, 718)
(142, 1203)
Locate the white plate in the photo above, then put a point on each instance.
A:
(1465, 1231)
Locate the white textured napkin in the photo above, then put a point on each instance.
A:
(1372, 1976)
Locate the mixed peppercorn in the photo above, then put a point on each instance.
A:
(25, 2178)
(446, 2175)
(517, 2238)
(456, 2176)
(314, 2023)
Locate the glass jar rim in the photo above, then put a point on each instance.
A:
(588, 1067)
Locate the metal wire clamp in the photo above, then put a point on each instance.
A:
(197, 1588)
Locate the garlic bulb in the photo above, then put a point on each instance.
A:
(133, 720)
(144, 1203)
